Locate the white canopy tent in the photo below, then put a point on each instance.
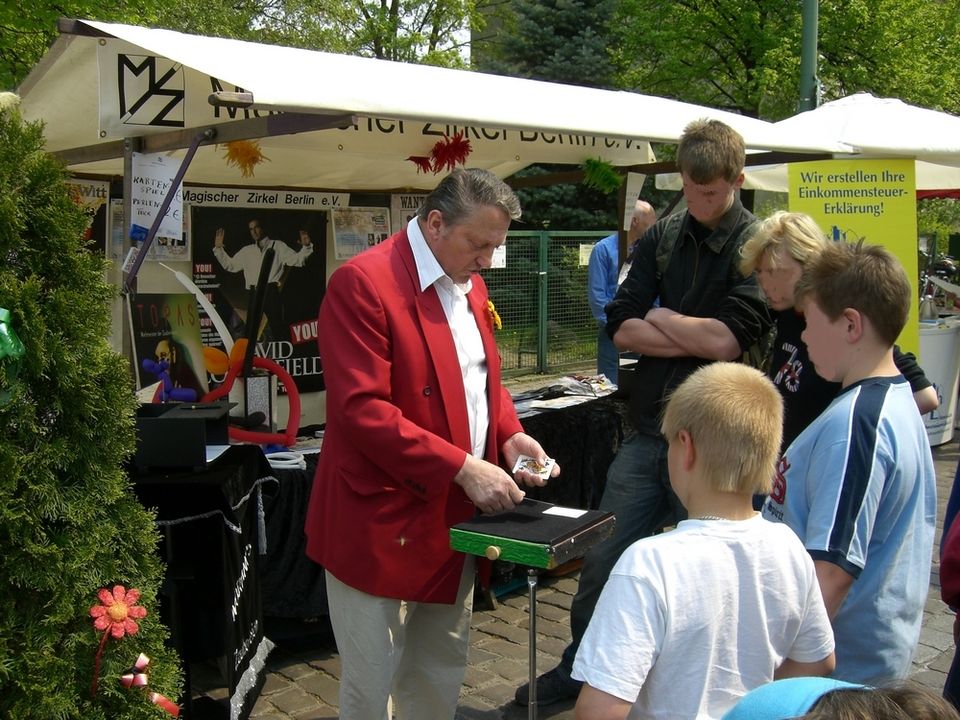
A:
(872, 128)
(356, 120)
(326, 121)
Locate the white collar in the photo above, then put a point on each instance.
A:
(428, 269)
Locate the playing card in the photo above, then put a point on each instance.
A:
(530, 464)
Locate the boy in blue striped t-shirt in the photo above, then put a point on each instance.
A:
(858, 484)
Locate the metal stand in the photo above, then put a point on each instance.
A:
(496, 537)
(176, 627)
(532, 587)
(204, 135)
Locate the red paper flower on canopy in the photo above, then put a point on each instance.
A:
(450, 152)
(117, 611)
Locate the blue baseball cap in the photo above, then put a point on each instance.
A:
(783, 699)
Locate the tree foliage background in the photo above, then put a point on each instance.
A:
(425, 31)
(558, 41)
(744, 55)
(69, 522)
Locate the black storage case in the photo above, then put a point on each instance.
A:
(176, 435)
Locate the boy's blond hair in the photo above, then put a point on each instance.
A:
(783, 234)
(866, 278)
(710, 149)
(735, 416)
(904, 699)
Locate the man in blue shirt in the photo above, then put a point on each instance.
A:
(602, 274)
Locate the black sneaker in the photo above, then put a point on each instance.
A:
(552, 687)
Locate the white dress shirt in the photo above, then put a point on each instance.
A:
(463, 327)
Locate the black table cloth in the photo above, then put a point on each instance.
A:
(213, 535)
(583, 438)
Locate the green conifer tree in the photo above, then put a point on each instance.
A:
(69, 522)
(558, 41)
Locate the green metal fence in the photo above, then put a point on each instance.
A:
(541, 297)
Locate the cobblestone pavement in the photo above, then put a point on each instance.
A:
(304, 671)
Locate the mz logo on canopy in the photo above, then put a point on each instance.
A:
(150, 91)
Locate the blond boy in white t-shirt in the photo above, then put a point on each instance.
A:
(693, 619)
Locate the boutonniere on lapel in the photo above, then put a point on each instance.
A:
(494, 316)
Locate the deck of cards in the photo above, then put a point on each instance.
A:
(532, 465)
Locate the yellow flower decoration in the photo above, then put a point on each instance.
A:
(245, 154)
(494, 316)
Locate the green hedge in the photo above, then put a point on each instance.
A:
(69, 522)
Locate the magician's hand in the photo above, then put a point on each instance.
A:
(522, 444)
(488, 486)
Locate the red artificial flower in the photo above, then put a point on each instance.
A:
(117, 611)
(450, 152)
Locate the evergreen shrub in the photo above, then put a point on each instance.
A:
(69, 521)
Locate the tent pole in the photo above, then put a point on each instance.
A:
(205, 135)
(621, 233)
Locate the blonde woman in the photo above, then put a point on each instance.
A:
(776, 253)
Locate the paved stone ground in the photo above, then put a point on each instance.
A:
(304, 669)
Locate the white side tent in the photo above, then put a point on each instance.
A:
(872, 128)
(884, 127)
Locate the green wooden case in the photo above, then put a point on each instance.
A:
(528, 535)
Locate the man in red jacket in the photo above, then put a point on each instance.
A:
(418, 425)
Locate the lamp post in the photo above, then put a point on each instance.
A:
(809, 83)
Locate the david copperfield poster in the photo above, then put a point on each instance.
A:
(229, 243)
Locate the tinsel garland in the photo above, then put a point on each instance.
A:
(601, 175)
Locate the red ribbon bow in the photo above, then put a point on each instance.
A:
(137, 677)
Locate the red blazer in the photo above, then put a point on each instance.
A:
(397, 432)
(950, 565)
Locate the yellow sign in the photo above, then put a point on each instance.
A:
(873, 200)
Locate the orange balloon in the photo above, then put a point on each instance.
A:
(215, 360)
